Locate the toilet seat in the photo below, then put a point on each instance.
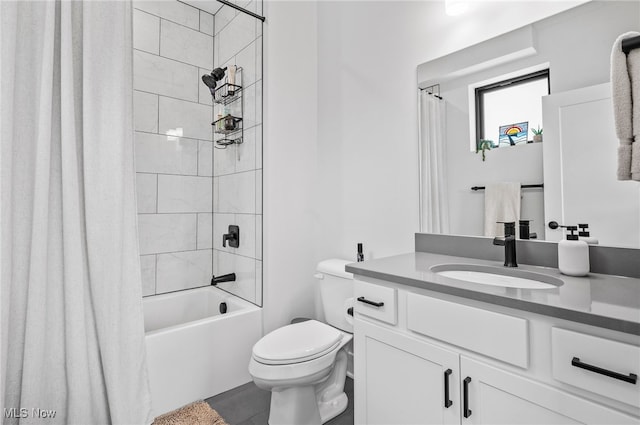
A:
(297, 343)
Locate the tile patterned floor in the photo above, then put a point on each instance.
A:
(249, 405)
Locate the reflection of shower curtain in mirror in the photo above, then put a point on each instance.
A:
(434, 203)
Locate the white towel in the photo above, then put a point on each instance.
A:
(501, 203)
(625, 86)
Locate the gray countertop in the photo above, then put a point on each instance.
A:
(606, 301)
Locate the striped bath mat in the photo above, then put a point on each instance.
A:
(198, 413)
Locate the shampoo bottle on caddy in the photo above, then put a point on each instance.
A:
(573, 254)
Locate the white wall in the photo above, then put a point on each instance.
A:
(367, 135)
(341, 150)
(290, 117)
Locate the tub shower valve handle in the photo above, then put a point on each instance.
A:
(233, 237)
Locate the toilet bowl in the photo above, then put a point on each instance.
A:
(304, 364)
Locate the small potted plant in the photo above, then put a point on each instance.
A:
(484, 145)
(537, 134)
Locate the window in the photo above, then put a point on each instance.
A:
(508, 111)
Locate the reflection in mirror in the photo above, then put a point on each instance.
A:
(575, 47)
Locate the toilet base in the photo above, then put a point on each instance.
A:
(295, 405)
(312, 404)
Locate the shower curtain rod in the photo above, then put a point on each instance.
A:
(628, 44)
(241, 9)
(428, 89)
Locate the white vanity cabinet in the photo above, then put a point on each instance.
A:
(441, 362)
(494, 396)
(405, 379)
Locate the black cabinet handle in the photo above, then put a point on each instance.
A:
(632, 378)
(447, 402)
(465, 385)
(373, 303)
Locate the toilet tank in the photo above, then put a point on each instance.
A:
(336, 292)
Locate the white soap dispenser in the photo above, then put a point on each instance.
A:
(573, 254)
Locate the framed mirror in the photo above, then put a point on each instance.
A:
(568, 177)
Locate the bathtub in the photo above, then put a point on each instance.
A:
(194, 351)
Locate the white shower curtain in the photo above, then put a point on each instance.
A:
(434, 201)
(72, 326)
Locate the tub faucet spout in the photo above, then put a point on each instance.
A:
(231, 277)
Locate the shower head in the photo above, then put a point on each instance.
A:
(211, 79)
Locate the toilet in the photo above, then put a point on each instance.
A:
(304, 364)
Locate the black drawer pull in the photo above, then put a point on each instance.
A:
(447, 402)
(466, 412)
(632, 378)
(373, 303)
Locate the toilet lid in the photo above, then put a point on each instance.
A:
(296, 343)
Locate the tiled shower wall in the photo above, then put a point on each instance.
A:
(173, 46)
(237, 170)
(180, 245)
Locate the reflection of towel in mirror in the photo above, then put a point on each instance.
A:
(625, 86)
(501, 203)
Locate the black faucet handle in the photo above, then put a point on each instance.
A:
(509, 227)
(233, 237)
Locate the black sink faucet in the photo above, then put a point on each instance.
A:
(509, 243)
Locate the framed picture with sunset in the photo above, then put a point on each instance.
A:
(513, 134)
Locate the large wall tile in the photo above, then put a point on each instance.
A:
(237, 35)
(236, 193)
(183, 270)
(247, 60)
(148, 269)
(181, 194)
(259, 237)
(258, 282)
(223, 17)
(194, 119)
(186, 45)
(259, 57)
(246, 152)
(205, 230)
(146, 32)
(258, 192)
(206, 22)
(258, 146)
(156, 153)
(245, 270)
(224, 160)
(249, 119)
(145, 111)
(247, 223)
(146, 190)
(172, 10)
(258, 102)
(155, 74)
(166, 232)
(205, 158)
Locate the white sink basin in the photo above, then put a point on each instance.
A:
(497, 276)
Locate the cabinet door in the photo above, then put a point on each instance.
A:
(401, 380)
(494, 396)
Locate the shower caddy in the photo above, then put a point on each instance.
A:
(230, 126)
